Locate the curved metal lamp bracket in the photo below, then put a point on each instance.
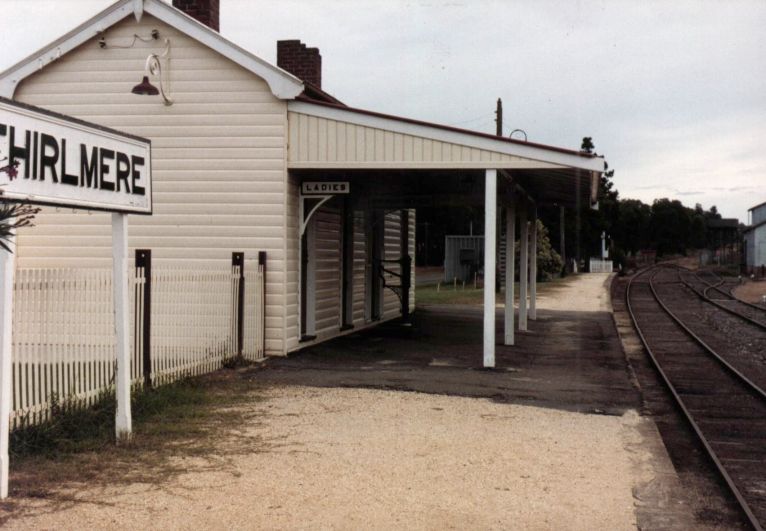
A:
(306, 216)
(154, 67)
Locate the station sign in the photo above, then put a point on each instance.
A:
(325, 188)
(52, 159)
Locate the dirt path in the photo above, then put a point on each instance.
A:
(751, 291)
(351, 459)
(586, 293)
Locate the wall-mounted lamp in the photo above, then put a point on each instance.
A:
(154, 68)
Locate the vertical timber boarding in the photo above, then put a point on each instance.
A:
(392, 250)
(328, 270)
(360, 268)
(347, 271)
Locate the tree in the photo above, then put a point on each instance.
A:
(596, 222)
(670, 227)
(549, 262)
(587, 144)
(630, 232)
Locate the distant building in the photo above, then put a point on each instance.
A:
(755, 237)
(724, 240)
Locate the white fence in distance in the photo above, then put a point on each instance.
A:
(597, 265)
(64, 340)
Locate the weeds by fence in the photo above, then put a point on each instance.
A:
(64, 341)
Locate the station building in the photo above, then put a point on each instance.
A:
(240, 148)
(755, 237)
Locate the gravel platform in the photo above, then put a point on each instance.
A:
(400, 428)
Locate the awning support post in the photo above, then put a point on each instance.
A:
(510, 270)
(123, 420)
(533, 267)
(7, 266)
(562, 244)
(490, 240)
(523, 267)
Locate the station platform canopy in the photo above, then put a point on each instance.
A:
(356, 145)
(388, 162)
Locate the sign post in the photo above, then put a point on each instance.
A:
(62, 161)
(6, 322)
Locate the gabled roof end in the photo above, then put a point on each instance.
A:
(282, 84)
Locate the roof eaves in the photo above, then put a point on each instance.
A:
(754, 226)
(10, 78)
(312, 93)
(282, 84)
(531, 150)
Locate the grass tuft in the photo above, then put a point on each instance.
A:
(72, 429)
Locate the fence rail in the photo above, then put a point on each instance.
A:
(64, 339)
(597, 265)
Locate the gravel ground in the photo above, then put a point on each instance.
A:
(741, 343)
(351, 459)
(751, 291)
(345, 458)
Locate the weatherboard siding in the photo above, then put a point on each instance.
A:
(327, 257)
(218, 161)
(323, 143)
(392, 250)
(360, 268)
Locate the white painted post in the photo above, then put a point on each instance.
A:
(490, 240)
(510, 270)
(533, 268)
(123, 420)
(7, 265)
(523, 267)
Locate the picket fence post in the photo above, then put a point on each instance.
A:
(144, 260)
(262, 265)
(238, 259)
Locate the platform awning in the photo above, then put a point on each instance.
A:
(334, 137)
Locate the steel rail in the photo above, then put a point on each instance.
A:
(703, 295)
(731, 296)
(708, 448)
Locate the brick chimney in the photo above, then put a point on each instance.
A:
(304, 63)
(206, 11)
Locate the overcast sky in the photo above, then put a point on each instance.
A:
(673, 93)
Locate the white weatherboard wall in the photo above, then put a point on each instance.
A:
(758, 214)
(328, 304)
(219, 159)
(360, 267)
(759, 246)
(328, 267)
(392, 250)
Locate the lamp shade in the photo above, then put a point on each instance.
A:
(145, 88)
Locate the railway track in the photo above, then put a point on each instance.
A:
(711, 290)
(725, 409)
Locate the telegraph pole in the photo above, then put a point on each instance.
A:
(499, 119)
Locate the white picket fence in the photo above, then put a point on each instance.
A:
(63, 331)
(597, 265)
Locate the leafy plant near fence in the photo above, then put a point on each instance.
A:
(72, 428)
(13, 216)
